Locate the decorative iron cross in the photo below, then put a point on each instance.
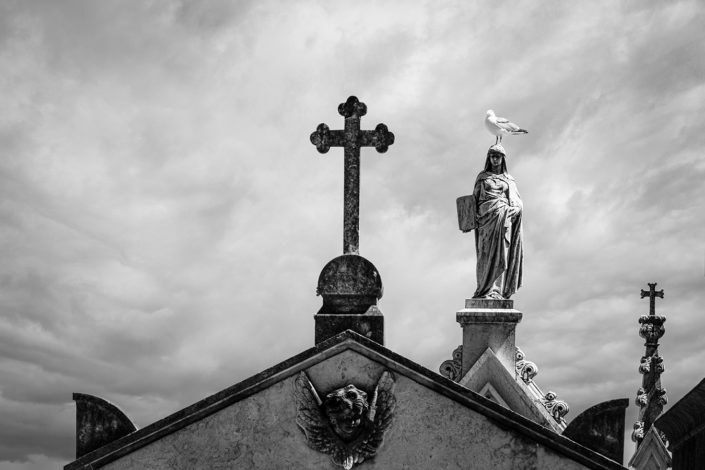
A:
(652, 293)
(351, 139)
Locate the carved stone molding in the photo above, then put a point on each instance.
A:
(652, 328)
(638, 432)
(557, 408)
(661, 398)
(527, 370)
(647, 362)
(452, 368)
(657, 363)
(642, 398)
(663, 437)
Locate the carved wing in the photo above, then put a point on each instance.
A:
(314, 424)
(379, 418)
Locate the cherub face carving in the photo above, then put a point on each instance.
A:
(345, 409)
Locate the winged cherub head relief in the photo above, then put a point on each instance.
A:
(345, 408)
(347, 425)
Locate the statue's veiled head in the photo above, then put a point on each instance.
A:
(345, 408)
(496, 159)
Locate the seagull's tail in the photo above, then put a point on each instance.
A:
(520, 131)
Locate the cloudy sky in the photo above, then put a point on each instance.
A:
(164, 217)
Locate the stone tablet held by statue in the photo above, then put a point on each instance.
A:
(466, 213)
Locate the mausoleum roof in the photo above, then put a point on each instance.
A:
(340, 343)
(683, 418)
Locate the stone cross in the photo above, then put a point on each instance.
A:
(351, 139)
(652, 293)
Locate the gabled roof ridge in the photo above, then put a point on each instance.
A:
(328, 348)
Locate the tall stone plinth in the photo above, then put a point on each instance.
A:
(488, 323)
(350, 286)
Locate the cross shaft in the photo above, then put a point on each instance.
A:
(652, 293)
(351, 138)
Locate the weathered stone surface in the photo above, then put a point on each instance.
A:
(683, 426)
(489, 303)
(98, 422)
(488, 328)
(467, 218)
(369, 325)
(350, 286)
(433, 427)
(348, 423)
(498, 229)
(652, 454)
(453, 368)
(514, 394)
(601, 428)
(352, 139)
(476, 315)
(651, 397)
(525, 369)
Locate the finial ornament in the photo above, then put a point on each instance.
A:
(652, 293)
(352, 107)
(321, 138)
(650, 397)
(349, 284)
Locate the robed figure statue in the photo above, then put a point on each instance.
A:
(494, 212)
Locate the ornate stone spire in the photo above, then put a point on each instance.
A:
(650, 397)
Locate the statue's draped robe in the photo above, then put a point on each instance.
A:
(498, 236)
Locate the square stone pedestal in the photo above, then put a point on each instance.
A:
(488, 323)
(369, 324)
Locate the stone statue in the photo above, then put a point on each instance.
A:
(346, 424)
(494, 212)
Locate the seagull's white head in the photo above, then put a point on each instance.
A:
(490, 112)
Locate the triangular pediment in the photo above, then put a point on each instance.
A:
(491, 393)
(652, 453)
(253, 424)
(513, 392)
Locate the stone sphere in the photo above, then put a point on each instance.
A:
(349, 284)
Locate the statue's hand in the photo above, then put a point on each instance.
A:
(514, 211)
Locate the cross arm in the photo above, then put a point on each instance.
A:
(324, 138)
(380, 138)
(656, 293)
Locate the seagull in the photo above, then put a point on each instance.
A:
(499, 127)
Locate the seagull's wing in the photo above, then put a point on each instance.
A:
(492, 125)
(506, 125)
